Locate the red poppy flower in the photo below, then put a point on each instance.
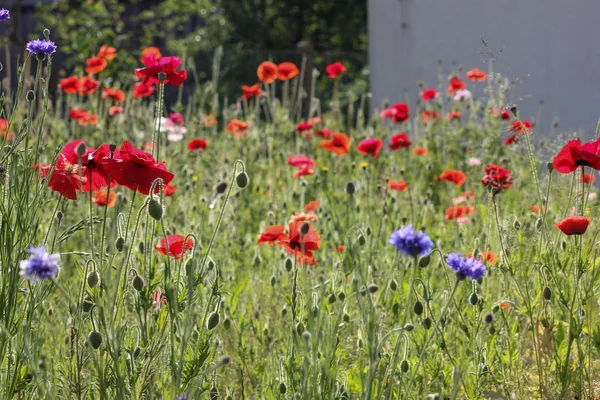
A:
(399, 141)
(151, 51)
(420, 151)
(87, 85)
(312, 206)
(304, 129)
(399, 185)
(452, 175)
(251, 91)
(102, 198)
(574, 154)
(315, 121)
(141, 89)
(178, 246)
(116, 95)
(399, 112)
(208, 120)
(95, 65)
(370, 146)
(488, 257)
(574, 225)
(456, 212)
(114, 110)
(476, 74)
(287, 71)
(510, 140)
(536, 209)
(93, 161)
(338, 144)
(237, 128)
(505, 115)
(136, 169)
(429, 94)
(497, 177)
(267, 72)
(169, 189)
(301, 245)
(453, 115)
(166, 65)
(303, 217)
(455, 85)
(196, 144)
(339, 248)
(429, 114)
(335, 69)
(83, 117)
(69, 85)
(66, 178)
(107, 52)
(588, 178)
(520, 126)
(272, 234)
(324, 133)
(304, 165)
(3, 127)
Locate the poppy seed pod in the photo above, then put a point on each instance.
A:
(88, 302)
(282, 388)
(404, 366)
(95, 339)
(350, 188)
(92, 279)
(155, 209)
(213, 321)
(221, 187)
(242, 179)
(120, 244)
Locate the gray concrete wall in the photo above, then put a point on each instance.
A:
(553, 45)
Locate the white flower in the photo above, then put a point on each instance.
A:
(474, 162)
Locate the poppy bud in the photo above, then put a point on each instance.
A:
(539, 223)
(283, 312)
(155, 209)
(547, 293)
(418, 308)
(373, 288)
(273, 280)
(30, 95)
(92, 279)
(221, 187)
(346, 318)
(563, 245)
(136, 352)
(299, 328)
(288, 264)
(427, 323)
(242, 179)
(138, 283)
(282, 388)
(213, 321)
(408, 327)
(393, 285)
(424, 261)
(141, 247)
(305, 228)
(331, 298)
(341, 296)
(88, 302)
(257, 260)
(404, 366)
(517, 225)
(306, 335)
(474, 299)
(225, 360)
(492, 330)
(59, 215)
(489, 318)
(227, 323)
(120, 244)
(210, 264)
(350, 188)
(95, 339)
(513, 111)
(361, 240)
(396, 308)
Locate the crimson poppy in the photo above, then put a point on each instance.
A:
(574, 155)
(399, 112)
(83, 117)
(136, 169)
(453, 115)
(299, 244)
(251, 91)
(69, 85)
(510, 140)
(272, 234)
(141, 89)
(177, 246)
(103, 198)
(116, 95)
(267, 72)
(166, 65)
(335, 69)
(196, 144)
(107, 52)
(587, 178)
(497, 177)
(114, 110)
(95, 65)
(452, 175)
(312, 205)
(87, 85)
(169, 189)
(461, 211)
(237, 128)
(324, 133)
(455, 85)
(176, 118)
(304, 129)
(151, 51)
(304, 165)
(287, 70)
(573, 225)
(399, 185)
(65, 178)
(520, 126)
(399, 141)
(420, 151)
(370, 146)
(475, 74)
(429, 94)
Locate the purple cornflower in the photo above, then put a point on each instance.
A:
(40, 265)
(4, 14)
(465, 267)
(411, 242)
(41, 47)
(182, 397)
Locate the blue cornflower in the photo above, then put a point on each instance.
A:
(4, 14)
(40, 265)
(411, 242)
(465, 267)
(41, 47)
(182, 397)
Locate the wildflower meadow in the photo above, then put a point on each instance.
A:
(161, 241)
